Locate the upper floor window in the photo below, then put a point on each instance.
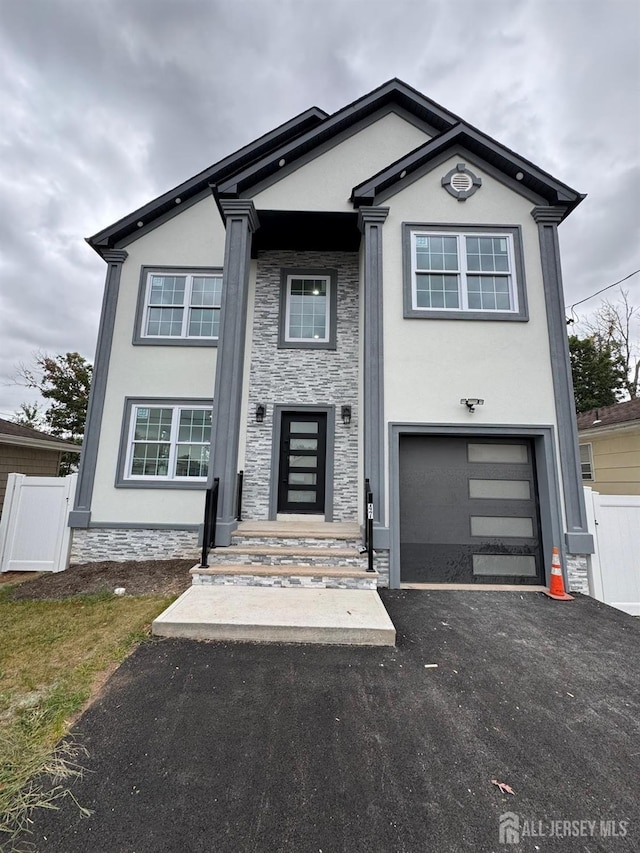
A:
(167, 443)
(472, 274)
(308, 309)
(179, 307)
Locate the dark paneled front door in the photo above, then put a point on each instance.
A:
(303, 453)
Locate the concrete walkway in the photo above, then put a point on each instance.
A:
(198, 747)
(263, 614)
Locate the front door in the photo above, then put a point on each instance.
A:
(468, 511)
(303, 452)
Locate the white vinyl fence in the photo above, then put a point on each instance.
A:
(614, 577)
(34, 535)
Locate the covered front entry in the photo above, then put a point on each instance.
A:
(468, 510)
(302, 466)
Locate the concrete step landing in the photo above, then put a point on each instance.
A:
(277, 615)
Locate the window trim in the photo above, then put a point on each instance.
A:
(589, 446)
(123, 481)
(307, 272)
(139, 338)
(518, 289)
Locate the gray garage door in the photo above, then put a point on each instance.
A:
(468, 511)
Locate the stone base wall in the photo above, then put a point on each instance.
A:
(381, 565)
(578, 573)
(103, 543)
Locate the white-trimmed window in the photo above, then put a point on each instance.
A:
(308, 301)
(168, 443)
(463, 272)
(586, 461)
(466, 272)
(182, 305)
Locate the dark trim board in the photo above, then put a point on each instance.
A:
(546, 471)
(81, 515)
(578, 538)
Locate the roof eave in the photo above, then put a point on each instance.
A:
(110, 236)
(42, 444)
(534, 178)
(393, 91)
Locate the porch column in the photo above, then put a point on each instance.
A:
(370, 222)
(241, 221)
(578, 540)
(81, 514)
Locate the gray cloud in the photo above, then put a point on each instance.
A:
(109, 103)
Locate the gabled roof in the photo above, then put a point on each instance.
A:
(298, 138)
(11, 433)
(128, 225)
(394, 92)
(462, 135)
(617, 415)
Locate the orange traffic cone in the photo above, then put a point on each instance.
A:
(556, 587)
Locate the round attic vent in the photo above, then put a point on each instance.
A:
(461, 182)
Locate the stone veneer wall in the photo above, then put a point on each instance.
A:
(578, 573)
(292, 377)
(100, 543)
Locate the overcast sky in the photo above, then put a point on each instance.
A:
(109, 103)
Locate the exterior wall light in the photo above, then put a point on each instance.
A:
(260, 413)
(471, 403)
(345, 413)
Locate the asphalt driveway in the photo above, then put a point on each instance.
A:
(227, 748)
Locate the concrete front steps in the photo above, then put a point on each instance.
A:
(290, 554)
(287, 582)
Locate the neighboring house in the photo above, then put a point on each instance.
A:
(315, 310)
(610, 448)
(24, 450)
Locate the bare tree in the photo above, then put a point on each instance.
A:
(617, 325)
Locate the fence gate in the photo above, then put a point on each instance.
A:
(34, 535)
(615, 567)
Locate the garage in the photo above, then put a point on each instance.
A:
(469, 510)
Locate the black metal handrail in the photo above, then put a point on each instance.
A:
(210, 516)
(239, 495)
(368, 524)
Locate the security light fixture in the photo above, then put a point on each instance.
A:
(471, 403)
(260, 413)
(346, 415)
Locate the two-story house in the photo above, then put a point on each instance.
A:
(369, 295)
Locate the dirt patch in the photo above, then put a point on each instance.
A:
(144, 577)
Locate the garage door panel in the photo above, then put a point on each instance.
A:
(448, 535)
(442, 563)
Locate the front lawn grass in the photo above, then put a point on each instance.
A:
(52, 653)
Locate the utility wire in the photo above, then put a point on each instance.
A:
(608, 287)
